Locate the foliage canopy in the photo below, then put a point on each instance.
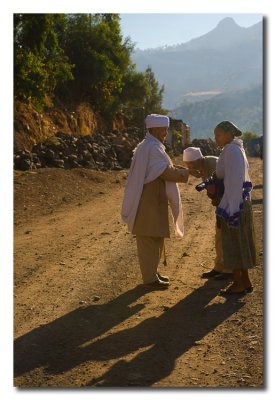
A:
(69, 58)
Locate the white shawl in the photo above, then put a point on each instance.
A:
(150, 161)
(232, 167)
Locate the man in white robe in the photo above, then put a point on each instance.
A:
(150, 187)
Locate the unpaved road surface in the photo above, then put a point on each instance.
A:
(81, 316)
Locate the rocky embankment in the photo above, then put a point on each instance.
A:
(99, 151)
(207, 146)
(80, 139)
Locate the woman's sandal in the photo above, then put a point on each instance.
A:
(229, 292)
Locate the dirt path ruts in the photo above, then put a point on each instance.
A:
(81, 318)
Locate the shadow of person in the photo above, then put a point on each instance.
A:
(66, 342)
(256, 201)
(258, 186)
(56, 345)
(167, 338)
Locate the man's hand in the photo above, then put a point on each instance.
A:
(175, 175)
(196, 173)
(179, 166)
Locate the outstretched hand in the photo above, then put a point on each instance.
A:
(179, 167)
(196, 173)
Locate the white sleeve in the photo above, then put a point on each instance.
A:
(134, 185)
(157, 164)
(233, 180)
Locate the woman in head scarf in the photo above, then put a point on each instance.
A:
(234, 212)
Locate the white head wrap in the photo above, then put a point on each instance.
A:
(192, 154)
(157, 121)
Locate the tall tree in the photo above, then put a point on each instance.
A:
(154, 95)
(80, 57)
(39, 61)
(95, 45)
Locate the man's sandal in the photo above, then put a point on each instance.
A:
(229, 292)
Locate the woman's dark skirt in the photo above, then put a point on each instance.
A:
(238, 243)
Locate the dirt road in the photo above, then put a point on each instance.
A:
(81, 317)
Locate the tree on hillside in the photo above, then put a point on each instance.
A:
(104, 73)
(247, 136)
(154, 96)
(141, 90)
(252, 143)
(94, 44)
(134, 88)
(71, 58)
(39, 61)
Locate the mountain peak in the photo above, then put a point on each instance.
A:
(227, 23)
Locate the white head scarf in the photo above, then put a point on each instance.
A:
(192, 154)
(157, 121)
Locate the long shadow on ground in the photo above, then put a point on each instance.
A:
(170, 336)
(66, 342)
(56, 345)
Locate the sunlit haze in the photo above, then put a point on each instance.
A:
(155, 30)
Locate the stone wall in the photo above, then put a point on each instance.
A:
(208, 147)
(100, 151)
(80, 138)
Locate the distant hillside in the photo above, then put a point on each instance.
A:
(244, 108)
(227, 58)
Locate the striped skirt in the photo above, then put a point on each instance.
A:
(238, 243)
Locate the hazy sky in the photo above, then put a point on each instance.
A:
(154, 30)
